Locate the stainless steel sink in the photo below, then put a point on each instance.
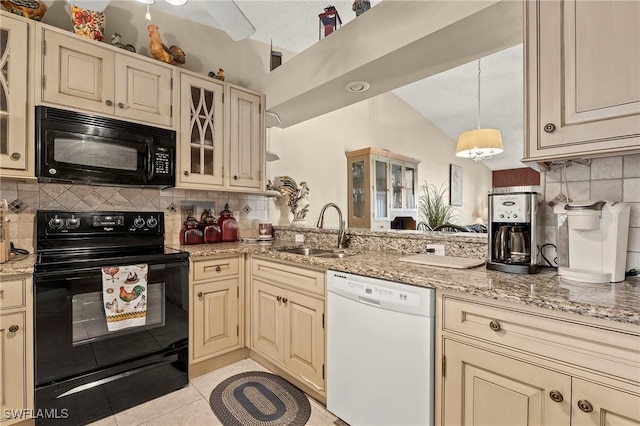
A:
(308, 251)
(305, 251)
(333, 255)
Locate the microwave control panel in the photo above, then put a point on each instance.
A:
(162, 161)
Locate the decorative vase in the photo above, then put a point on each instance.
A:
(299, 223)
(88, 23)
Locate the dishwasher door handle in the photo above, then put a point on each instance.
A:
(369, 301)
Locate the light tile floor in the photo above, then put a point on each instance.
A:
(190, 406)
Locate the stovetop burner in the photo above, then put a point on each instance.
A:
(87, 239)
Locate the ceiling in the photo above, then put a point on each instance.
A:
(449, 99)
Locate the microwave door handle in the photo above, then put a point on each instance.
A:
(150, 164)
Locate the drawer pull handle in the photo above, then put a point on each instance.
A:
(549, 127)
(13, 328)
(556, 396)
(494, 325)
(218, 268)
(585, 406)
(279, 298)
(284, 299)
(200, 294)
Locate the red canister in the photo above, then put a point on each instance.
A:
(191, 233)
(228, 225)
(210, 228)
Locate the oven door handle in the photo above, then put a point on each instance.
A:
(72, 274)
(115, 377)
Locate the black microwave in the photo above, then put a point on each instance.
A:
(74, 147)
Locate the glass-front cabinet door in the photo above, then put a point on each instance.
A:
(358, 170)
(397, 186)
(201, 140)
(381, 189)
(410, 176)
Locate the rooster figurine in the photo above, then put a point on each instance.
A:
(129, 296)
(170, 55)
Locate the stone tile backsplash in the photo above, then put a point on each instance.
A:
(27, 197)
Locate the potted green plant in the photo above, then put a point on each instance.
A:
(433, 209)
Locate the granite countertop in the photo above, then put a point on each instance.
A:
(611, 301)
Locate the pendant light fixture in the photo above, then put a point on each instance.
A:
(479, 144)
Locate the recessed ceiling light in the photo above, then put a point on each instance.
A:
(176, 2)
(357, 86)
(146, 1)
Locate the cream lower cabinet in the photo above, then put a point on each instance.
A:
(16, 349)
(287, 319)
(582, 79)
(91, 76)
(216, 290)
(511, 365)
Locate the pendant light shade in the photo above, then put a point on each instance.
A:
(479, 144)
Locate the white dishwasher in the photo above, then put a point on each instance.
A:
(380, 351)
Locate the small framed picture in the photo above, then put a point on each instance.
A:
(455, 185)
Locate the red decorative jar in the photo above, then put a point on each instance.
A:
(228, 225)
(210, 228)
(191, 233)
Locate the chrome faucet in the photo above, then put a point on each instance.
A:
(342, 234)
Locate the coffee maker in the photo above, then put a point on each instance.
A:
(514, 232)
(592, 240)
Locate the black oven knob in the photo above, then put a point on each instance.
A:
(73, 222)
(152, 222)
(138, 222)
(56, 222)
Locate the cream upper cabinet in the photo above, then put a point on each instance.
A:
(16, 154)
(505, 364)
(222, 136)
(16, 348)
(582, 78)
(83, 74)
(287, 319)
(246, 131)
(201, 132)
(215, 306)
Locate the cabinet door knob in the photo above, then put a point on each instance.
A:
(235, 177)
(549, 127)
(585, 406)
(14, 328)
(15, 156)
(218, 268)
(121, 105)
(279, 298)
(284, 299)
(186, 173)
(199, 294)
(108, 102)
(494, 325)
(556, 396)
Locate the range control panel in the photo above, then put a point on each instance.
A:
(87, 223)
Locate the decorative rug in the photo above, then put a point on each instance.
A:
(257, 398)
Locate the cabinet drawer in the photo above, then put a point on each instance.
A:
(281, 273)
(591, 347)
(12, 294)
(208, 269)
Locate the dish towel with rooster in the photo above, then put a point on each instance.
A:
(124, 292)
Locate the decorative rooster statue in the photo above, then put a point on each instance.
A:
(170, 55)
(296, 197)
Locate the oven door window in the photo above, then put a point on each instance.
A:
(90, 323)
